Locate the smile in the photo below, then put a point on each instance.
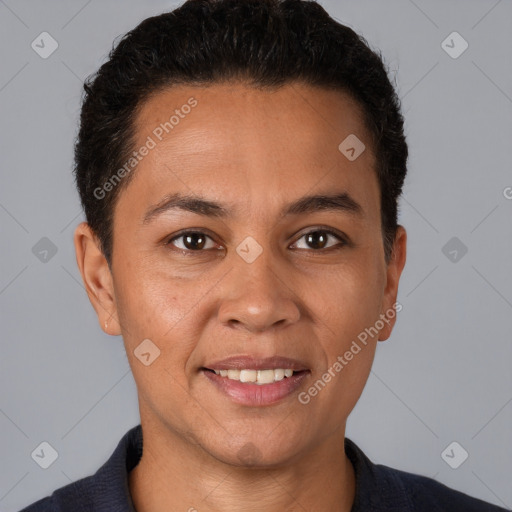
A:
(256, 387)
(257, 376)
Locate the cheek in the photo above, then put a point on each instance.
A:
(348, 300)
(150, 303)
(170, 311)
(148, 295)
(348, 383)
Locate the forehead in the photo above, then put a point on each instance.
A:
(225, 137)
(228, 112)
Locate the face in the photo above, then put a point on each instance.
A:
(223, 247)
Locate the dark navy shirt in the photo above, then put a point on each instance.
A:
(378, 488)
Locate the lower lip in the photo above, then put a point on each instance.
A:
(252, 394)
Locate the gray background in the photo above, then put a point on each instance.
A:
(445, 373)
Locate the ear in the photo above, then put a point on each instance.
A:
(97, 278)
(394, 271)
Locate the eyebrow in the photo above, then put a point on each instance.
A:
(342, 202)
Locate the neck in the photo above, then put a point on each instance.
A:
(174, 474)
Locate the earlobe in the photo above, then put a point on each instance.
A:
(97, 278)
(393, 273)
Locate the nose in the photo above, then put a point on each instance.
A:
(258, 297)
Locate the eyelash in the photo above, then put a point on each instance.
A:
(343, 240)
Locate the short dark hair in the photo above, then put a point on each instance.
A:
(266, 43)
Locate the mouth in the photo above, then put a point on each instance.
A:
(259, 377)
(255, 388)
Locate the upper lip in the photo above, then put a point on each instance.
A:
(256, 363)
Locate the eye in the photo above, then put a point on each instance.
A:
(192, 241)
(198, 241)
(318, 239)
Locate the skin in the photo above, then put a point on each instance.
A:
(254, 151)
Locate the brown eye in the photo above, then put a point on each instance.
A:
(192, 241)
(319, 239)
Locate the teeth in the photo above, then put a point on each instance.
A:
(257, 376)
(234, 374)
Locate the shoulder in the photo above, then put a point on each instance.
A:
(75, 496)
(43, 505)
(107, 490)
(428, 494)
(380, 488)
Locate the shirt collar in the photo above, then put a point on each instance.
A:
(377, 487)
(116, 497)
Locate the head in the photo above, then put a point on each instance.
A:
(203, 140)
